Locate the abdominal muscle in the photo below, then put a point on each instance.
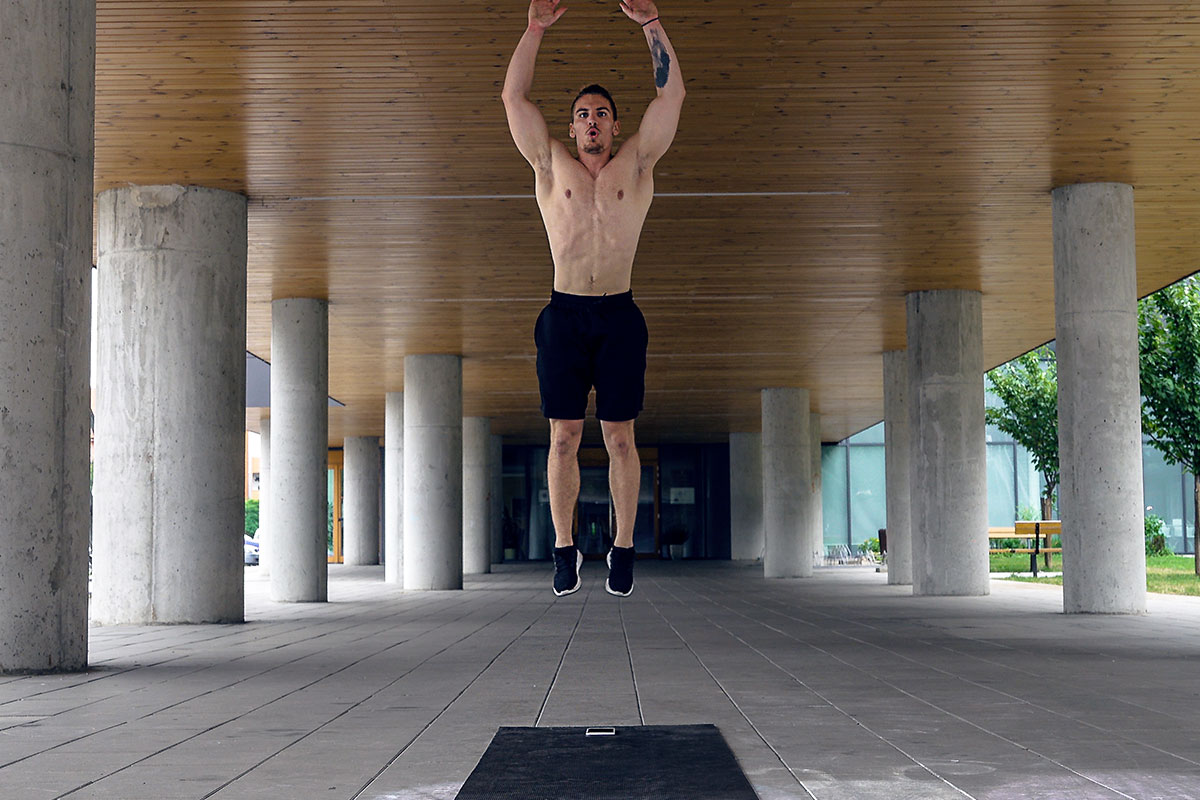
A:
(593, 253)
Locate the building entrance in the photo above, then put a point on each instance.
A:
(595, 517)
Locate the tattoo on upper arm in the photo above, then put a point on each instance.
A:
(662, 61)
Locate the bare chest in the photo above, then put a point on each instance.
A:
(618, 196)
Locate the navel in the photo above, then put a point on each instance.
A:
(620, 194)
(568, 194)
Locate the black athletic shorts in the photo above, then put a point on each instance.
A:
(585, 341)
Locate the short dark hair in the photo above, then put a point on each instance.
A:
(594, 88)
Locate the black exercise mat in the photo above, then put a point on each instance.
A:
(650, 762)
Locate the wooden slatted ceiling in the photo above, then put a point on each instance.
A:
(892, 146)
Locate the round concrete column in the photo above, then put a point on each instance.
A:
(360, 504)
(787, 484)
(746, 495)
(264, 494)
(948, 467)
(393, 488)
(433, 472)
(496, 471)
(47, 60)
(1099, 405)
(816, 541)
(300, 450)
(170, 400)
(896, 461)
(476, 488)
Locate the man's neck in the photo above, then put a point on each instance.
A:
(594, 162)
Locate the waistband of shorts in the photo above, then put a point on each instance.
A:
(591, 300)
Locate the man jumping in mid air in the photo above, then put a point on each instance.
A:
(591, 333)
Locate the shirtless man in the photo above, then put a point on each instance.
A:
(591, 333)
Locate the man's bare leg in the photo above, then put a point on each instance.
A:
(624, 480)
(624, 477)
(562, 472)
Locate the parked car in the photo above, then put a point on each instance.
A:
(249, 551)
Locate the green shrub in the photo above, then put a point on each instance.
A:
(251, 517)
(1156, 540)
(871, 544)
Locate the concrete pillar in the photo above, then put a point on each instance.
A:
(1099, 405)
(476, 488)
(948, 467)
(787, 484)
(46, 115)
(496, 471)
(817, 510)
(896, 456)
(393, 488)
(746, 495)
(264, 494)
(300, 450)
(433, 472)
(170, 405)
(360, 503)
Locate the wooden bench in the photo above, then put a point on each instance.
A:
(1036, 531)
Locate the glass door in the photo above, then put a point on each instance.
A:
(595, 521)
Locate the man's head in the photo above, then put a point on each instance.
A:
(594, 122)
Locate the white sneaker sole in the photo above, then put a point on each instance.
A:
(608, 588)
(578, 579)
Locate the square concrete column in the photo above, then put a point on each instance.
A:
(433, 472)
(300, 450)
(47, 58)
(948, 468)
(393, 488)
(476, 487)
(360, 505)
(817, 510)
(745, 496)
(896, 456)
(170, 405)
(787, 484)
(496, 471)
(264, 495)
(1099, 402)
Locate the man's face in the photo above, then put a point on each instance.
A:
(592, 125)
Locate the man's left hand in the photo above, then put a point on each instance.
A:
(640, 11)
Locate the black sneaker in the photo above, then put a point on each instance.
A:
(567, 561)
(620, 572)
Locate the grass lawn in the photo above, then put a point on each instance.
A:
(1164, 574)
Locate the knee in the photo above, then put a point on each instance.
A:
(564, 440)
(620, 446)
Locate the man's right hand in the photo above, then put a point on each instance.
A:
(544, 13)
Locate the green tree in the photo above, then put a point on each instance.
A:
(1169, 344)
(1027, 387)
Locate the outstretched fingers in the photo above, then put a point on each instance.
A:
(640, 11)
(544, 13)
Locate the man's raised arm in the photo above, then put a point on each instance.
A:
(526, 123)
(657, 130)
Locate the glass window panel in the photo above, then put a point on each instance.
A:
(868, 494)
(993, 433)
(1001, 500)
(872, 435)
(1162, 490)
(833, 495)
(1028, 484)
(1189, 515)
(541, 528)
